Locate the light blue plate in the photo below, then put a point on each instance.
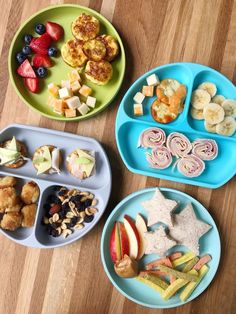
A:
(137, 291)
(129, 127)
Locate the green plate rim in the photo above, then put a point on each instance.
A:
(60, 118)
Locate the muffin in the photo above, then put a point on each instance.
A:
(47, 159)
(81, 163)
(12, 153)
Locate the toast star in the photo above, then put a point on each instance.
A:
(188, 229)
(158, 242)
(159, 209)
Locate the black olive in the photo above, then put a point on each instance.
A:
(88, 218)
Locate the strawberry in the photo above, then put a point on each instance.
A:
(32, 84)
(54, 209)
(43, 41)
(54, 30)
(38, 49)
(26, 70)
(41, 61)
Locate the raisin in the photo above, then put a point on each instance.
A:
(88, 218)
(73, 222)
(54, 233)
(88, 203)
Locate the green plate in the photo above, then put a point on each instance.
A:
(64, 15)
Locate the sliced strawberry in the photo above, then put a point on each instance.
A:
(38, 49)
(54, 30)
(32, 84)
(41, 61)
(26, 70)
(44, 40)
(54, 209)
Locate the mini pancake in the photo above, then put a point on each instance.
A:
(162, 112)
(99, 73)
(21, 149)
(85, 27)
(72, 53)
(112, 47)
(94, 49)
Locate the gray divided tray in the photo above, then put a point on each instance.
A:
(99, 184)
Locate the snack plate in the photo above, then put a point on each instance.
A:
(137, 291)
(99, 184)
(64, 15)
(129, 128)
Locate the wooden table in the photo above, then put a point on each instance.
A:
(71, 279)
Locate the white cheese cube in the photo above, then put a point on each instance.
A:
(65, 83)
(91, 101)
(73, 102)
(138, 109)
(65, 93)
(139, 98)
(153, 80)
(83, 109)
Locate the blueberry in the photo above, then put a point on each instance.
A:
(51, 199)
(52, 51)
(20, 57)
(42, 72)
(28, 38)
(40, 29)
(26, 50)
(88, 218)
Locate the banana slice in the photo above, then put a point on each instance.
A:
(210, 127)
(200, 98)
(229, 106)
(196, 113)
(213, 113)
(218, 99)
(227, 127)
(209, 87)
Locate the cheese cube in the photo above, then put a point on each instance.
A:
(83, 109)
(75, 86)
(85, 90)
(138, 109)
(70, 113)
(65, 93)
(73, 102)
(91, 101)
(153, 80)
(148, 91)
(59, 106)
(65, 83)
(139, 98)
(74, 76)
(51, 100)
(53, 89)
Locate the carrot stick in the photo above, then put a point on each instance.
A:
(203, 260)
(175, 255)
(161, 261)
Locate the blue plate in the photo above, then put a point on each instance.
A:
(129, 127)
(137, 291)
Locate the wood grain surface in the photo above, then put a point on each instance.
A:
(71, 279)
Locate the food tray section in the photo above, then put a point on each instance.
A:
(129, 127)
(98, 184)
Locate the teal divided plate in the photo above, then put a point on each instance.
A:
(129, 127)
(137, 291)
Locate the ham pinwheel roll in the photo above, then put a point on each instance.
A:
(159, 158)
(190, 166)
(205, 149)
(178, 144)
(152, 137)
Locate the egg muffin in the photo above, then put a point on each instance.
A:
(99, 73)
(47, 159)
(163, 113)
(72, 53)
(112, 46)
(85, 27)
(94, 49)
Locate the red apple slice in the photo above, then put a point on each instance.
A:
(119, 242)
(124, 240)
(141, 227)
(133, 237)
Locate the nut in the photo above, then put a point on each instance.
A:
(81, 219)
(90, 211)
(63, 226)
(94, 202)
(50, 220)
(66, 233)
(66, 221)
(82, 214)
(72, 192)
(45, 220)
(59, 230)
(84, 193)
(90, 196)
(69, 215)
(75, 212)
(83, 199)
(79, 226)
(55, 217)
(72, 205)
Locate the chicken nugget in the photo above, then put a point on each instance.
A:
(11, 221)
(28, 212)
(30, 193)
(15, 208)
(8, 198)
(6, 182)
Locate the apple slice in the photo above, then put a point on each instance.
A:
(119, 242)
(133, 236)
(141, 227)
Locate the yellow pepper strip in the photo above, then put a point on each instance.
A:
(150, 284)
(185, 294)
(178, 274)
(156, 280)
(190, 264)
(183, 259)
(176, 285)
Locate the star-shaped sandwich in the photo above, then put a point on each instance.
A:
(188, 229)
(157, 242)
(159, 209)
